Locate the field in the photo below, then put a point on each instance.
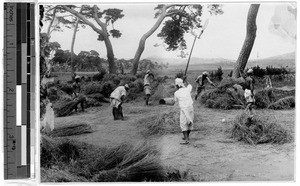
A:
(212, 154)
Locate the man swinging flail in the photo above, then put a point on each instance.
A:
(185, 101)
(249, 91)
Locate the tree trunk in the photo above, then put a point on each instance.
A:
(103, 32)
(49, 66)
(112, 68)
(249, 41)
(72, 45)
(142, 42)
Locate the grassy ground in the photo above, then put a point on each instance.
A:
(212, 154)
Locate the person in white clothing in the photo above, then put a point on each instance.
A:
(147, 85)
(116, 99)
(185, 101)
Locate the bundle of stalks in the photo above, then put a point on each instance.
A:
(130, 163)
(283, 103)
(161, 124)
(57, 175)
(264, 97)
(229, 82)
(258, 130)
(65, 106)
(70, 130)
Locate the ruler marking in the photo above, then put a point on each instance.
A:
(19, 62)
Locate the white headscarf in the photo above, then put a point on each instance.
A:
(179, 82)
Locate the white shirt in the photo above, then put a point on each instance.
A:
(118, 92)
(147, 79)
(183, 96)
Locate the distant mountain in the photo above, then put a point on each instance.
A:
(193, 61)
(275, 61)
(284, 60)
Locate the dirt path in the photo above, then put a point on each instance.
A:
(211, 156)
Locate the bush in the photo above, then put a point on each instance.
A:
(259, 72)
(270, 70)
(216, 75)
(99, 76)
(136, 90)
(258, 130)
(107, 88)
(112, 78)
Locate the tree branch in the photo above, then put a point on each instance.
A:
(74, 12)
(96, 17)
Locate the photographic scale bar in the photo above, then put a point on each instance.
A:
(19, 90)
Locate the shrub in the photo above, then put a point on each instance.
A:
(107, 88)
(112, 78)
(99, 76)
(259, 72)
(258, 130)
(270, 70)
(136, 90)
(216, 75)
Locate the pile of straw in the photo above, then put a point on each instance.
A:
(70, 130)
(283, 103)
(163, 123)
(258, 130)
(57, 175)
(264, 97)
(65, 106)
(54, 151)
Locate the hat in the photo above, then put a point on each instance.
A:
(126, 86)
(77, 77)
(179, 82)
(205, 73)
(249, 71)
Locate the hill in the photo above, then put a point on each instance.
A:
(284, 60)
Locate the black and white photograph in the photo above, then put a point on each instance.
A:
(167, 92)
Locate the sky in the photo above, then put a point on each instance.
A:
(223, 37)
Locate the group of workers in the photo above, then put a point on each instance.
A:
(182, 96)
